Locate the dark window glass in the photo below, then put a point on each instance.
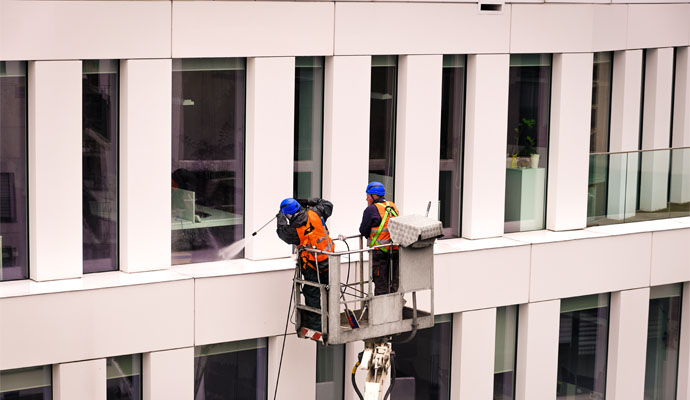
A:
(384, 77)
(234, 370)
(452, 128)
(663, 340)
(309, 74)
(26, 384)
(423, 365)
(123, 377)
(100, 132)
(207, 158)
(582, 347)
(601, 102)
(529, 100)
(506, 348)
(13, 175)
(330, 372)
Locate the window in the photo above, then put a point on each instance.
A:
(452, 129)
(33, 383)
(582, 347)
(208, 130)
(309, 75)
(100, 132)
(14, 263)
(330, 372)
(504, 357)
(529, 99)
(123, 377)
(663, 340)
(233, 370)
(423, 365)
(384, 77)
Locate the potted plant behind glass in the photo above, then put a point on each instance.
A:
(524, 153)
(531, 150)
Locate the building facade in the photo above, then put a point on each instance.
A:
(143, 142)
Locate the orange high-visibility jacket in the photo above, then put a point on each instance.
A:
(379, 235)
(314, 234)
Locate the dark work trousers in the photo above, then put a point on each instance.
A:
(312, 295)
(382, 261)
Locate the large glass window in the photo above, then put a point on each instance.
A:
(123, 377)
(33, 383)
(529, 100)
(330, 372)
(423, 365)
(663, 340)
(452, 128)
(233, 370)
(208, 129)
(13, 176)
(100, 132)
(384, 77)
(583, 347)
(309, 75)
(506, 348)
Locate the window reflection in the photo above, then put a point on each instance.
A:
(309, 75)
(504, 356)
(33, 383)
(330, 372)
(100, 132)
(384, 77)
(207, 158)
(13, 175)
(123, 377)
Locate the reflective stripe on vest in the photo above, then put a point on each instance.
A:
(314, 234)
(380, 235)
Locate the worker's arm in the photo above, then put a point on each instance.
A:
(370, 218)
(286, 233)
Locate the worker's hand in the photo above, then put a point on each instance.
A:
(281, 219)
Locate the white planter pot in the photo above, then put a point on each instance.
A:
(534, 161)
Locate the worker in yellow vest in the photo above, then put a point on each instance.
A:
(374, 227)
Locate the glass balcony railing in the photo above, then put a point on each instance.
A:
(638, 186)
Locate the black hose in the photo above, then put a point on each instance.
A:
(354, 382)
(390, 387)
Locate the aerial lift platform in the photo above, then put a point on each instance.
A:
(353, 313)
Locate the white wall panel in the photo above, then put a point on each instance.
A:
(537, 350)
(55, 175)
(658, 87)
(485, 143)
(658, 25)
(571, 111)
(351, 352)
(269, 150)
(627, 344)
(168, 374)
(419, 28)
(603, 265)
(474, 344)
(346, 140)
(551, 28)
(681, 104)
(88, 324)
(298, 372)
(418, 133)
(145, 151)
(684, 349)
(85, 380)
(609, 27)
(670, 257)
(59, 30)
(251, 28)
(626, 95)
(480, 279)
(240, 307)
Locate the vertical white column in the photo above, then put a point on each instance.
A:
(269, 150)
(474, 343)
(486, 116)
(168, 374)
(418, 133)
(84, 380)
(626, 99)
(346, 139)
(55, 178)
(145, 151)
(656, 129)
(298, 372)
(571, 113)
(537, 358)
(627, 344)
(684, 350)
(680, 190)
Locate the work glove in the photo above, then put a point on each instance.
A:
(281, 219)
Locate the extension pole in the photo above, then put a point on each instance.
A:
(265, 225)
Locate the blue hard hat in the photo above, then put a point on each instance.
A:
(376, 188)
(289, 206)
